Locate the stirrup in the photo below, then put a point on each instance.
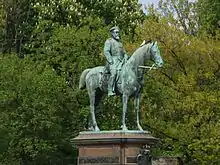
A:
(111, 93)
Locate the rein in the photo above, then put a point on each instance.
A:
(148, 67)
(140, 76)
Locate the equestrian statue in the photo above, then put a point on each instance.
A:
(121, 76)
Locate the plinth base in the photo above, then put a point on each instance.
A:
(111, 147)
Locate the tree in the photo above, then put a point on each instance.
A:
(39, 113)
(191, 16)
(209, 16)
(181, 104)
(127, 14)
(19, 20)
(181, 13)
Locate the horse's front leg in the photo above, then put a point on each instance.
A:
(92, 110)
(125, 103)
(136, 107)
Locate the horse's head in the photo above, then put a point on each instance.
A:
(154, 53)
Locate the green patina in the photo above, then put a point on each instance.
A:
(130, 76)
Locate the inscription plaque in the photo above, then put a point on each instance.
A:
(100, 159)
(131, 159)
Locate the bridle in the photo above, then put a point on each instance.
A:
(148, 67)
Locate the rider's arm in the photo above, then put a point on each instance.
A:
(107, 52)
(126, 57)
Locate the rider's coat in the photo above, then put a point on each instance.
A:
(115, 53)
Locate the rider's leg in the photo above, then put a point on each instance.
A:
(111, 83)
(107, 68)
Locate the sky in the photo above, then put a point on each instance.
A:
(154, 1)
(149, 1)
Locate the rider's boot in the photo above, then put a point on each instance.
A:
(111, 85)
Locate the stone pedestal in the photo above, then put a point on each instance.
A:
(112, 147)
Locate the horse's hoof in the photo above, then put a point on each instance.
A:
(90, 129)
(111, 94)
(140, 128)
(97, 129)
(124, 128)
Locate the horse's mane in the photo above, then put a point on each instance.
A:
(138, 53)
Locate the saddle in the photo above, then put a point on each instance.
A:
(104, 77)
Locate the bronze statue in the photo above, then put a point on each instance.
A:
(129, 79)
(116, 57)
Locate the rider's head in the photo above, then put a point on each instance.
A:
(115, 32)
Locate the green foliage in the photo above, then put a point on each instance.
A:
(70, 50)
(18, 21)
(209, 15)
(26, 22)
(59, 39)
(181, 102)
(181, 13)
(40, 113)
(194, 17)
(127, 14)
(41, 108)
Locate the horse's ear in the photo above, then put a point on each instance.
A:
(143, 43)
(154, 43)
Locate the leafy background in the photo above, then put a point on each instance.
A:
(45, 45)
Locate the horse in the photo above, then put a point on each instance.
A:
(129, 84)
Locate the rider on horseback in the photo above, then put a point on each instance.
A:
(116, 57)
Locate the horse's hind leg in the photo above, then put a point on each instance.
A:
(125, 103)
(92, 110)
(136, 106)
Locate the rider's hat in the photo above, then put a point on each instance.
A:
(114, 28)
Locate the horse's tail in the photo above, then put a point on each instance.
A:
(82, 82)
